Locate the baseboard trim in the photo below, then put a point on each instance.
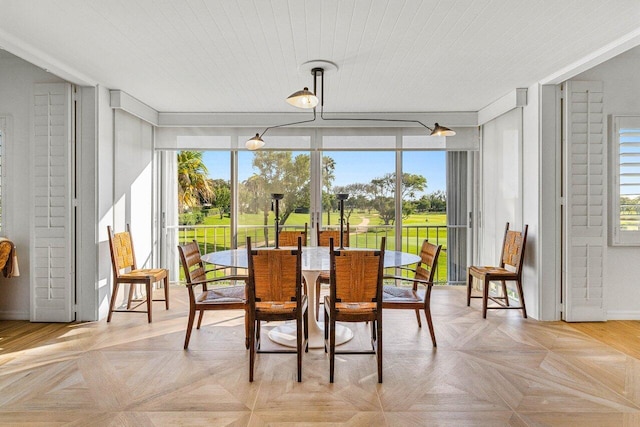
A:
(14, 315)
(623, 315)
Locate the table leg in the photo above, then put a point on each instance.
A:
(286, 334)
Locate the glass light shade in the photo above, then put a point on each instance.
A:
(254, 143)
(442, 131)
(303, 99)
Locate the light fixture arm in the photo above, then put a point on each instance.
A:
(290, 124)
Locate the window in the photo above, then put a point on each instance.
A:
(625, 193)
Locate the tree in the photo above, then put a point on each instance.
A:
(358, 197)
(437, 201)
(328, 198)
(193, 184)
(221, 196)
(277, 172)
(423, 204)
(382, 192)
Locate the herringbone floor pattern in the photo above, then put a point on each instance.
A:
(504, 370)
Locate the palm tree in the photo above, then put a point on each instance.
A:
(193, 185)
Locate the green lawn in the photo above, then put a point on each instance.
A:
(214, 233)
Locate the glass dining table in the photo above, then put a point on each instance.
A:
(314, 261)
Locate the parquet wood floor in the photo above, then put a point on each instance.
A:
(504, 370)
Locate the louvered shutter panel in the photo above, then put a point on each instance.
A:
(52, 284)
(585, 198)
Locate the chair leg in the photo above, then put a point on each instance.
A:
(326, 329)
(332, 347)
(252, 347)
(200, 319)
(485, 297)
(317, 285)
(373, 335)
(192, 315)
(257, 331)
(427, 315)
(504, 293)
(131, 289)
(469, 284)
(418, 318)
(246, 329)
(114, 296)
(521, 295)
(306, 329)
(379, 346)
(149, 299)
(166, 291)
(299, 343)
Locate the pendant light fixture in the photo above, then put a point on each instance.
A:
(309, 100)
(303, 99)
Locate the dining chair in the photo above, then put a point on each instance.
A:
(275, 294)
(510, 269)
(125, 270)
(290, 237)
(216, 292)
(355, 296)
(414, 297)
(324, 236)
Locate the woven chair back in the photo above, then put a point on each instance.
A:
(122, 255)
(357, 276)
(277, 274)
(513, 248)
(290, 238)
(324, 236)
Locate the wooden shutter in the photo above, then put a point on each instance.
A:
(585, 201)
(52, 286)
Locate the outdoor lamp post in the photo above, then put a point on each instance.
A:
(342, 197)
(277, 197)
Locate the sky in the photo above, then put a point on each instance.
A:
(351, 166)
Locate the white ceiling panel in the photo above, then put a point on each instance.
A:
(244, 56)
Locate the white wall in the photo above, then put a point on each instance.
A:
(530, 199)
(546, 137)
(133, 182)
(622, 266)
(105, 176)
(501, 182)
(17, 78)
(95, 189)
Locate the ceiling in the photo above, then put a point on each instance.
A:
(244, 56)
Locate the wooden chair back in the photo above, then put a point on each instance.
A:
(290, 237)
(123, 256)
(324, 236)
(275, 275)
(513, 249)
(426, 269)
(356, 276)
(192, 265)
